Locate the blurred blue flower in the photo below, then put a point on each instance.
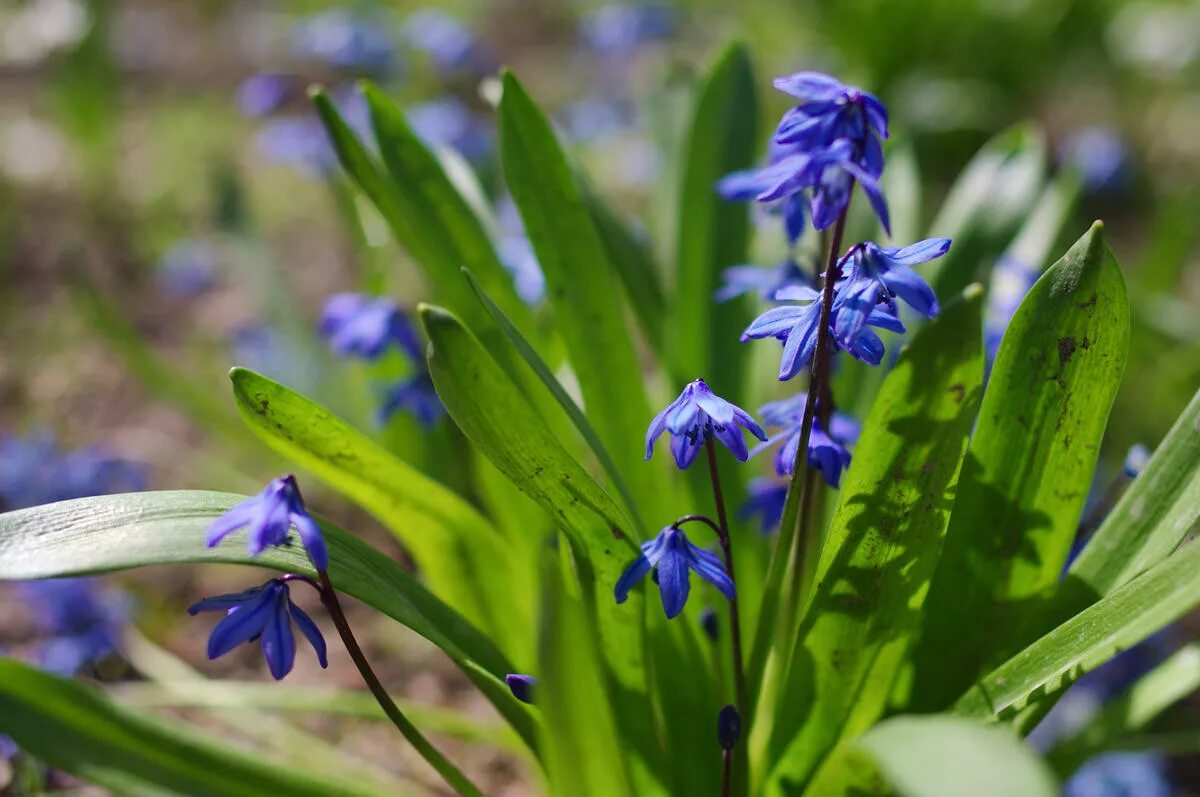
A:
(671, 555)
(1136, 459)
(617, 30)
(342, 39)
(827, 451)
(269, 518)
(264, 93)
(697, 416)
(765, 498)
(740, 280)
(296, 141)
(265, 613)
(873, 274)
(34, 471)
(8, 748)
(366, 326)
(1011, 280)
(79, 622)
(447, 122)
(1137, 774)
(517, 255)
(521, 686)
(188, 268)
(269, 351)
(416, 396)
(448, 42)
(1100, 156)
(595, 118)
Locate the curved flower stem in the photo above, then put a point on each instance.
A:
(735, 628)
(453, 776)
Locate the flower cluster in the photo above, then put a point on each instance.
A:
(366, 327)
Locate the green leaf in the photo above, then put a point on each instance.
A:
(1113, 624)
(712, 232)
(1028, 470)
(440, 230)
(934, 756)
(582, 287)
(466, 561)
(881, 549)
(75, 728)
(118, 532)
(1153, 516)
(1131, 711)
(539, 367)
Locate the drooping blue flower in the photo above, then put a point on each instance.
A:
(365, 326)
(264, 613)
(521, 686)
(1121, 774)
(1101, 158)
(1136, 459)
(79, 622)
(764, 498)
(617, 30)
(415, 395)
(269, 518)
(188, 268)
(345, 40)
(672, 556)
(873, 274)
(264, 94)
(748, 184)
(827, 450)
(697, 416)
(740, 280)
(449, 43)
(1011, 280)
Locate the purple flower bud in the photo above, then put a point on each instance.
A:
(729, 727)
(521, 686)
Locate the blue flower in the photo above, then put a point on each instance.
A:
(265, 613)
(697, 416)
(765, 282)
(517, 255)
(521, 686)
(269, 518)
(296, 141)
(365, 326)
(1137, 774)
(748, 184)
(1011, 280)
(829, 110)
(34, 471)
(1136, 460)
(449, 43)
(8, 748)
(765, 498)
(417, 396)
(447, 122)
(1100, 156)
(188, 268)
(873, 274)
(618, 29)
(827, 451)
(79, 622)
(671, 555)
(344, 40)
(263, 94)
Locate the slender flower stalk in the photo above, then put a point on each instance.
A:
(735, 629)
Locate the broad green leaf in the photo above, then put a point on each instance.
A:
(712, 232)
(75, 728)
(1027, 471)
(442, 232)
(539, 367)
(499, 421)
(118, 532)
(466, 561)
(986, 205)
(881, 549)
(583, 749)
(934, 756)
(1132, 711)
(582, 286)
(1153, 516)
(1113, 624)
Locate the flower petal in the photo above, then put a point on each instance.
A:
(310, 631)
(278, 642)
(632, 575)
(313, 540)
(242, 624)
(673, 582)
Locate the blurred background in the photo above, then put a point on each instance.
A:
(170, 206)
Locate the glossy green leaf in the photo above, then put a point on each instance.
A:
(882, 547)
(1131, 711)
(118, 532)
(75, 728)
(462, 555)
(441, 231)
(582, 286)
(1028, 470)
(1152, 517)
(712, 232)
(1115, 623)
(934, 756)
